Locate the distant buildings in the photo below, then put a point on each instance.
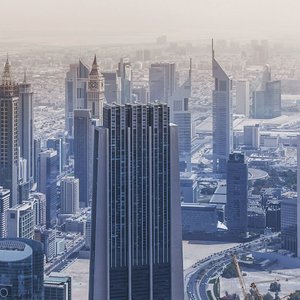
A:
(267, 99)
(136, 209)
(243, 98)
(112, 90)
(162, 81)
(75, 92)
(22, 269)
(237, 194)
(252, 136)
(9, 134)
(125, 78)
(222, 117)
(69, 195)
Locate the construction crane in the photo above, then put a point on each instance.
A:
(240, 276)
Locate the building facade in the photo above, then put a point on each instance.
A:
(222, 117)
(4, 206)
(58, 288)
(243, 98)
(237, 194)
(136, 250)
(69, 195)
(22, 269)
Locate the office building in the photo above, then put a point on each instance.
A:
(162, 81)
(267, 97)
(69, 195)
(222, 117)
(181, 116)
(58, 288)
(26, 126)
(20, 221)
(289, 223)
(22, 269)
(95, 92)
(4, 206)
(189, 189)
(83, 143)
(75, 92)
(125, 78)
(9, 130)
(237, 193)
(298, 199)
(37, 149)
(140, 94)
(252, 136)
(39, 205)
(48, 238)
(58, 145)
(136, 206)
(242, 98)
(112, 87)
(47, 182)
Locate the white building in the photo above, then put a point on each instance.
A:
(242, 97)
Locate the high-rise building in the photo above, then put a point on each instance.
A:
(237, 193)
(58, 288)
(37, 149)
(58, 145)
(26, 126)
(48, 238)
(83, 143)
(162, 81)
(47, 182)
(243, 97)
(267, 97)
(39, 205)
(125, 77)
(9, 156)
(4, 206)
(75, 92)
(20, 221)
(22, 269)
(298, 199)
(181, 116)
(136, 216)
(95, 92)
(69, 195)
(251, 136)
(112, 86)
(222, 117)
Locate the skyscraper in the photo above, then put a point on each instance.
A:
(4, 206)
(26, 126)
(9, 158)
(222, 117)
(95, 92)
(112, 90)
(22, 269)
(162, 81)
(125, 76)
(136, 249)
(181, 116)
(243, 97)
(237, 193)
(75, 92)
(83, 143)
(69, 195)
(47, 182)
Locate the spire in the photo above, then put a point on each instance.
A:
(6, 75)
(25, 76)
(94, 70)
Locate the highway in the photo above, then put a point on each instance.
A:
(197, 277)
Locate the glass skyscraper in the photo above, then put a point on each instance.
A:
(136, 250)
(22, 269)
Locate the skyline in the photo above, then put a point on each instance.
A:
(142, 21)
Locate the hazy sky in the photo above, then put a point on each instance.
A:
(142, 20)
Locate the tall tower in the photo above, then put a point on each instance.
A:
(69, 195)
(136, 248)
(26, 126)
(9, 157)
(237, 193)
(222, 117)
(75, 92)
(125, 75)
(95, 92)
